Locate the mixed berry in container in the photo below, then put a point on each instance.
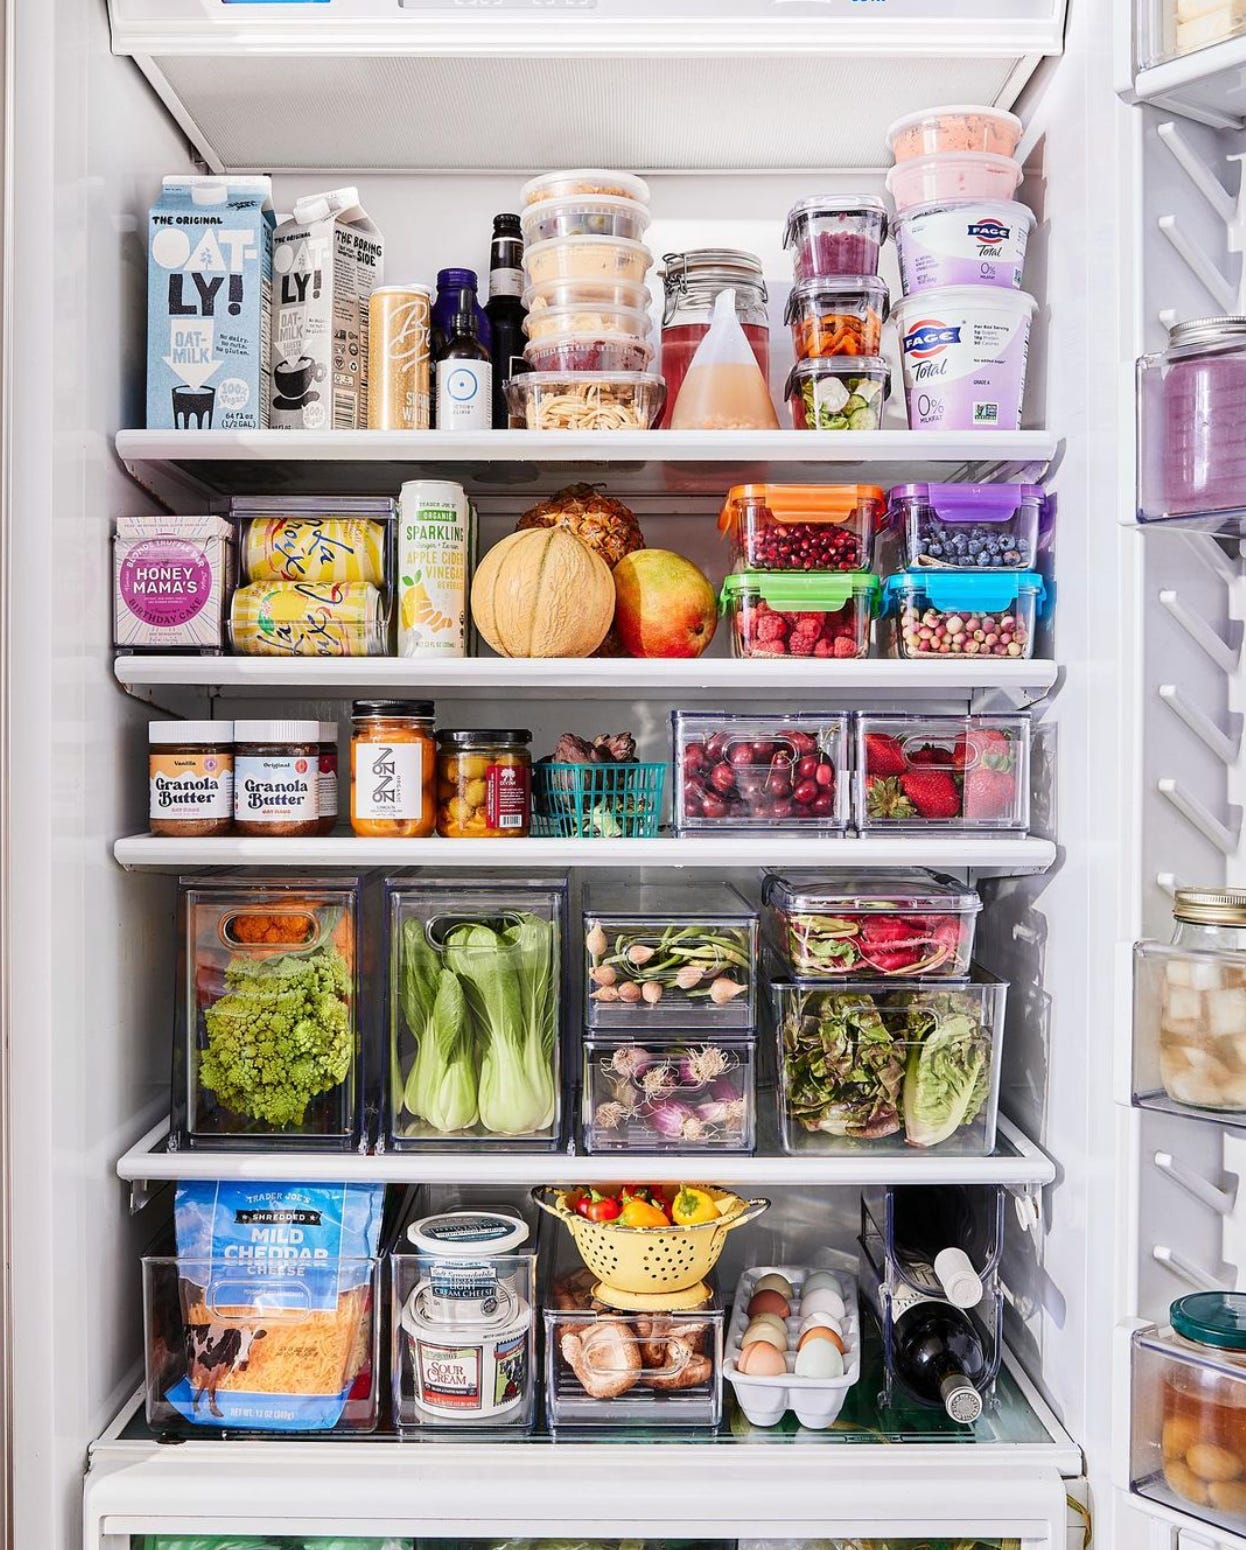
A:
(968, 526)
(803, 527)
(964, 613)
(760, 772)
(837, 235)
(955, 773)
(784, 614)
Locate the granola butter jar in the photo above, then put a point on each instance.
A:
(190, 771)
(392, 765)
(326, 784)
(484, 785)
(277, 778)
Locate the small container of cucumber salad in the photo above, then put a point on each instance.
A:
(838, 393)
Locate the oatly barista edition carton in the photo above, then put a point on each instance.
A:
(327, 261)
(209, 274)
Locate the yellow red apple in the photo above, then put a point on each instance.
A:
(664, 605)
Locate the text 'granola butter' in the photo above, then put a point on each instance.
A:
(276, 778)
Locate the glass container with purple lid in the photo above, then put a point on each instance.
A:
(1192, 422)
(968, 526)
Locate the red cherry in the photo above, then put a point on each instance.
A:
(722, 777)
(803, 743)
(780, 809)
(805, 792)
(825, 775)
(779, 786)
(741, 753)
(713, 806)
(762, 753)
(822, 806)
(751, 786)
(716, 746)
(694, 757)
(808, 766)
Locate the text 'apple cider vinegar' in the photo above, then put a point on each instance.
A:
(436, 536)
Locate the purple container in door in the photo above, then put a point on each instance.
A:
(968, 526)
(1192, 422)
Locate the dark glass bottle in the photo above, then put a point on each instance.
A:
(937, 1355)
(464, 374)
(940, 1239)
(506, 312)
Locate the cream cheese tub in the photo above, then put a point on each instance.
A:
(963, 242)
(964, 351)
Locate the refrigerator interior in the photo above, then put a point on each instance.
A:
(89, 947)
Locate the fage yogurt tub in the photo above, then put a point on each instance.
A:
(964, 351)
(963, 242)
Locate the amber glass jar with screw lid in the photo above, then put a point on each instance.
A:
(190, 773)
(392, 767)
(277, 778)
(484, 784)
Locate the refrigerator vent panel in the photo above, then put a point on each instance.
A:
(277, 113)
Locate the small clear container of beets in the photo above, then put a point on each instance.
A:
(968, 526)
(803, 527)
(836, 236)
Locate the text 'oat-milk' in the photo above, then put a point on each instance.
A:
(209, 273)
(327, 261)
(964, 350)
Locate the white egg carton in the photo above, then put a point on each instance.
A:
(816, 1401)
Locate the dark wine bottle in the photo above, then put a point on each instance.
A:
(505, 310)
(939, 1240)
(936, 1354)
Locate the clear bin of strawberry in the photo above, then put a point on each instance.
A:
(878, 925)
(782, 614)
(760, 773)
(957, 773)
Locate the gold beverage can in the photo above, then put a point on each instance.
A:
(399, 358)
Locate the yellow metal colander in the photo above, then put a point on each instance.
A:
(652, 1261)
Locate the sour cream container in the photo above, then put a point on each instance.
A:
(963, 242)
(964, 350)
(952, 175)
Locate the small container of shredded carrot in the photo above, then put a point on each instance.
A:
(392, 769)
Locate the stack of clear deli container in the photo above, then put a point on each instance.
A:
(589, 353)
(836, 311)
(671, 1001)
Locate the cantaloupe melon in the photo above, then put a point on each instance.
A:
(543, 593)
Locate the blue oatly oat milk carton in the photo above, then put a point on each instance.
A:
(209, 288)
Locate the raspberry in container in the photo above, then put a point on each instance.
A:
(963, 613)
(786, 614)
(953, 773)
(838, 316)
(760, 773)
(840, 393)
(803, 527)
(836, 235)
(968, 526)
(871, 925)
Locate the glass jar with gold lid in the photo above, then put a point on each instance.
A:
(1210, 920)
(484, 784)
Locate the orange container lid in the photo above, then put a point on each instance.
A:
(837, 503)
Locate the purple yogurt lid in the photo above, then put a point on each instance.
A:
(970, 502)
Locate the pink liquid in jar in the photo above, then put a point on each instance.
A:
(679, 345)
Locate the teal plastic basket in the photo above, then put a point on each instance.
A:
(597, 801)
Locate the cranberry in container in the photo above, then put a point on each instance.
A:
(803, 527)
(836, 235)
(781, 614)
(760, 773)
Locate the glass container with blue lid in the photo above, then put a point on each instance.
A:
(964, 613)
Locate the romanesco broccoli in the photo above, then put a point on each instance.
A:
(280, 1035)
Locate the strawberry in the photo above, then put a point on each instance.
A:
(932, 792)
(884, 798)
(927, 754)
(883, 755)
(990, 747)
(989, 792)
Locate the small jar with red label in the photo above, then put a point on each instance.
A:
(277, 778)
(484, 784)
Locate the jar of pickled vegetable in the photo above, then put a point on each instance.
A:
(484, 784)
(1211, 920)
(392, 766)
(692, 281)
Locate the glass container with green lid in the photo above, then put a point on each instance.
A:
(800, 613)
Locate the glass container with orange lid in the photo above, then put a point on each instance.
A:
(803, 527)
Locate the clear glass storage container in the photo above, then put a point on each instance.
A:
(968, 526)
(267, 1045)
(760, 774)
(803, 527)
(952, 773)
(585, 400)
(790, 614)
(669, 1091)
(871, 925)
(292, 1350)
(476, 1010)
(1192, 422)
(1190, 1006)
(884, 1066)
(963, 613)
(691, 282)
(1188, 1410)
(673, 955)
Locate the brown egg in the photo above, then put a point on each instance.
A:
(818, 1333)
(761, 1360)
(768, 1301)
